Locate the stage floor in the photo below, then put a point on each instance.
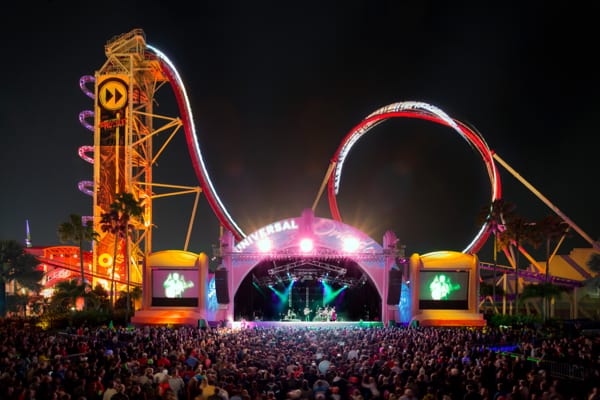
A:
(314, 324)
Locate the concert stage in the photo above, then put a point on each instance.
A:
(313, 324)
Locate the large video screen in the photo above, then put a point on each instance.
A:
(175, 287)
(443, 290)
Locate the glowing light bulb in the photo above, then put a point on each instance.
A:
(306, 245)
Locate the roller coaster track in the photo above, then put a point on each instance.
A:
(416, 110)
(408, 109)
(193, 145)
(532, 275)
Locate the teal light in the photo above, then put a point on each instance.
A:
(260, 290)
(283, 295)
(329, 294)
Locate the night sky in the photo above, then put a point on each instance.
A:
(275, 87)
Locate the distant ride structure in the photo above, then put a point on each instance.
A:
(416, 110)
(129, 138)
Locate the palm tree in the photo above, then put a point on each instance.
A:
(76, 232)
(110, 222)
(66, 294)
(593, 264)
(136, 294)
(17, 266)
(495, 215)
(543, 291)
(117, 221)
(100, 298)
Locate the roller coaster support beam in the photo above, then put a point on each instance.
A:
(324, 183)
(529, 186)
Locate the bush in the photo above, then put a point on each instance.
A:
(62, 320)
(516, 321)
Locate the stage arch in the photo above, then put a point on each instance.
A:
(303, 247)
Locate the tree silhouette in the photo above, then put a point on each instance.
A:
(76, 232)
(495, 216)
(593, 264)
(17, 266)
(123, 210)
(66, 293)
(543, 291)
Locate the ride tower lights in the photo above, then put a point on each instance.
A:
(123, 153)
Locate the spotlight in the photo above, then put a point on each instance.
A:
(306, 245)
(350, 244)
(264, 245)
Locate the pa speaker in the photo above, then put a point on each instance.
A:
(394, 287)
(221, 286)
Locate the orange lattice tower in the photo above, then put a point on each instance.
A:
(123, 152)
(120, 151)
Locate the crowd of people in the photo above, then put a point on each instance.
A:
(388, 363)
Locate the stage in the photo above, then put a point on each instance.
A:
(311, 324)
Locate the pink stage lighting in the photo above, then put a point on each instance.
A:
(264, 245)
(350, 244)
(306, 245)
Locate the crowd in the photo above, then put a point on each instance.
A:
(391, 363)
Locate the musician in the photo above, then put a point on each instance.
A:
(333, 314)
(306, 313)
(318, 314)
(290, 315)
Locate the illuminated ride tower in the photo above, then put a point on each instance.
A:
(126, 130)
(124, 88)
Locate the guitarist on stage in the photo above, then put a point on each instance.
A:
(306, 313)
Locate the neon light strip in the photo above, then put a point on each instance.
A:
(83, 116)
(419, 110)
(193, 145)
(86, 187)
(83, 82)
(83, 150)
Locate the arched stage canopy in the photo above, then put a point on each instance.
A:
(308, 247)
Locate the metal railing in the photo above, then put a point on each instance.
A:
(555, 369)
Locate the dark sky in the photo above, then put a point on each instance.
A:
(275, 87)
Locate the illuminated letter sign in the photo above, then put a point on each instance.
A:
(266, 231)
